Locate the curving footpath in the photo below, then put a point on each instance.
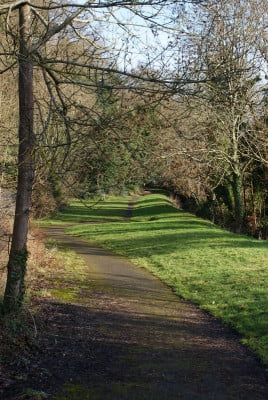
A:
(129, 337)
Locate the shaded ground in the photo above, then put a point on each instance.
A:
(125, 335)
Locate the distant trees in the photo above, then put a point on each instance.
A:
(115, 151)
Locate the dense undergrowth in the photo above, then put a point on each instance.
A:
(223, 273)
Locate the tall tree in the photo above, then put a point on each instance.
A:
(220, 130)
(18, 255)
(233, 64)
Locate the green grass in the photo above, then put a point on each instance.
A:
(223, 273)
(80, 211)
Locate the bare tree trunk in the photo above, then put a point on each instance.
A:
(18, 254)
(238, 201)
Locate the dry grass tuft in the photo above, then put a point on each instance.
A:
(18, 332)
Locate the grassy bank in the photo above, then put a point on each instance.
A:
(224, 273)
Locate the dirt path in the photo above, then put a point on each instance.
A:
(129, 337)
(129, 210)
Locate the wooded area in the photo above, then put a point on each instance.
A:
(103, 97)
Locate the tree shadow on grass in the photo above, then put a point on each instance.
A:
(158, 235)
(111, 209)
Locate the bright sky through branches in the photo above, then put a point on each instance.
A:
(148, 35)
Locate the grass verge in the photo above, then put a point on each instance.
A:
(223, 273)
(58, 274)
(52, 272)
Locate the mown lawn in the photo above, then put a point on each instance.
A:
(80, 211)
(223, 273)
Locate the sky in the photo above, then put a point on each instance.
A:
(139, 36)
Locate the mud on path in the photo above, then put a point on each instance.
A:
(127, 336)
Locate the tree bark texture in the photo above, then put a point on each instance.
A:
(14, 291)
(238, 201)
